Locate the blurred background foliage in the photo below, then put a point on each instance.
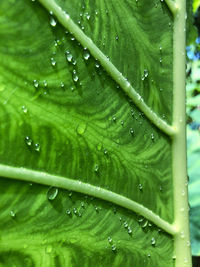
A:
(193, 126)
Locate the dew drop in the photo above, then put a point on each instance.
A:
(110, 240)
(69, 56)
(146, 73)
(114, 118)
(45, 83)
(105, 152)
(81, 128)
(12, 214)
(174, 257)
(24, 109)
(35, 83)
(144, 224)
(129, 230)
(62, 85)
(96, 168)
(97, 65)
(131, 131)
(125, 225)
(52, 193)
(75, 76)
(53, 22)
(114, 248)
(37, 147)
(68, 211)
(86, 55)
(75, 211)
(152, 137)
(53, 62)
(140, 187)
(153, 242)
(28, 141)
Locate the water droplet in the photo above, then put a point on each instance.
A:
(24, 109)
(96, 209)
(144, 223)
(35, 83)
(131, 131)
(105, 152)
(45, 83)
(117, 38)
(146, 74)
(53, 62)
(188, 243)
(68, 211)
(62, 85)
(81, 128)
(82, 205)
(122, 123)
(70, 194)
(140, 219)
(75, 211)
(114, 118)
(114, 248)
(75, 76)
(69, 56)
(12, 214)
(96, 168)
(153, 242)
(97, 64)
(52, 193)
(37, 147)
(110, 240)
(86, 55)
(152, 137)
(174, 257)
(28, 140)
(129, 230)
(53, 22)
(125, 225)
(140, 187)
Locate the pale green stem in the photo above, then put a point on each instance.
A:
(182, 238)
(88, 189)
(172, 6)
(68, 23)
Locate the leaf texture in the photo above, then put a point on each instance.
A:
(62, 114)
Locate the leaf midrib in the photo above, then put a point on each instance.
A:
(85, 188)
(125, 85)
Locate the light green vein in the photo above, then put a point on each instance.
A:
(78, 186)
(68, 23)
(172, 6)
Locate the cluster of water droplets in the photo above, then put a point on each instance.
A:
(35, 146)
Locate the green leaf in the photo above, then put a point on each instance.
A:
(193, 141)
(86, 115)
(196, 4)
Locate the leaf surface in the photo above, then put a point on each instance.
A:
(62, 114)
